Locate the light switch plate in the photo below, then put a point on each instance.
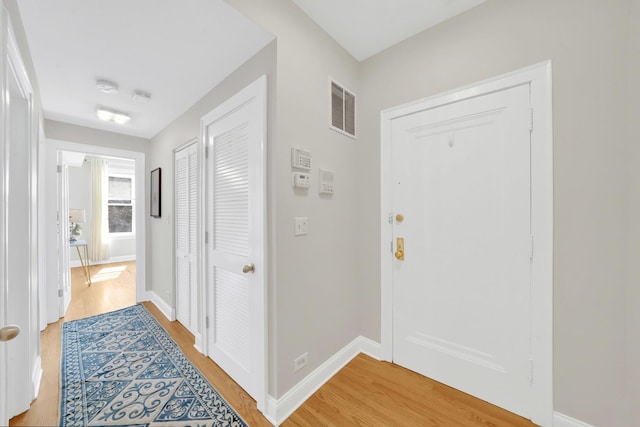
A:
(301, 227)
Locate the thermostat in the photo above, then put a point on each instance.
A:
(300, 180)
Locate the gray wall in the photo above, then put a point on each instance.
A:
(588, 44)
(314, 277)
(632, 329)
(83, 135)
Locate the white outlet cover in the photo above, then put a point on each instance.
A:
(300, 362)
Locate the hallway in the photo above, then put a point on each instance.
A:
(365, 392)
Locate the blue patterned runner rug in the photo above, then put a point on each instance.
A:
(123, 369)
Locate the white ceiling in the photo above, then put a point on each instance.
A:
(173, 49)
(179, 50)
(367, 27)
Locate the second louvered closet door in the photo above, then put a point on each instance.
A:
(186, 205)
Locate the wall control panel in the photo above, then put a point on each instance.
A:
(300, 180)
(300, 158)
(327, 181)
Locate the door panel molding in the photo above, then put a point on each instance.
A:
(538, 77)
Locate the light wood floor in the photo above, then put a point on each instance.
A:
(366, 392)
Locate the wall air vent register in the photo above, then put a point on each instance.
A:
(343, 110)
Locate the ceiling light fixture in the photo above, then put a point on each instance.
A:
(112, 116)
(105, 86)
(140, 96)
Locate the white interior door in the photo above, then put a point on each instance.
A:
(19, 354)
(461, 293)
(234, 137)
(186, 197)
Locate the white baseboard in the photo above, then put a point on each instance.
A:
(36, 377)
(165, 308)
(76, 262)
(278, 410)
(198, 344)
(560, 420)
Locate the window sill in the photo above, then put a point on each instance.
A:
(122, 236)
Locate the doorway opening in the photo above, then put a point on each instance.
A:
(95, 216)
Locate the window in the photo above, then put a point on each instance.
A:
(120, 204)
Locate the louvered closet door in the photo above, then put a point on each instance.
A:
(234, 143)
(186, 187)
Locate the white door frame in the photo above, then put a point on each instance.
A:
(50, 220)
(539, 78)
(255, 91)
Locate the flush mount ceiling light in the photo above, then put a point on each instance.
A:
(141, 96)
(105, 86)
(112, 116)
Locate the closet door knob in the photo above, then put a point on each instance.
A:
(9, 332)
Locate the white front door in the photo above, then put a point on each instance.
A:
(461, 204)
(235, 143)
(186, 206)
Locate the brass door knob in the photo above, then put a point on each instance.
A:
(9, 332)
(249, 269)
(400, 255)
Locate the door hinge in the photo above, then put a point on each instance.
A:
(60, 293)
(206, 322)
(531, 120)
(391, 246)
(59, 168)
(206, 237)
(531, 250)
(206, 152)
(390, 218)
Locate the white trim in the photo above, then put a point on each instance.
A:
(36, 376)
(254, 92)
(278, 410)
(198, 342)
(539, 78)
(164, 308)
(123, 236)
(112, 260)
(560, 420)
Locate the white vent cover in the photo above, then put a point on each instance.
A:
(343, 110)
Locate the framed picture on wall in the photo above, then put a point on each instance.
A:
(155, 193)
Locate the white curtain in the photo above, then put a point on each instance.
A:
(99, 245)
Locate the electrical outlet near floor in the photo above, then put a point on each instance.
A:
(300, 362)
